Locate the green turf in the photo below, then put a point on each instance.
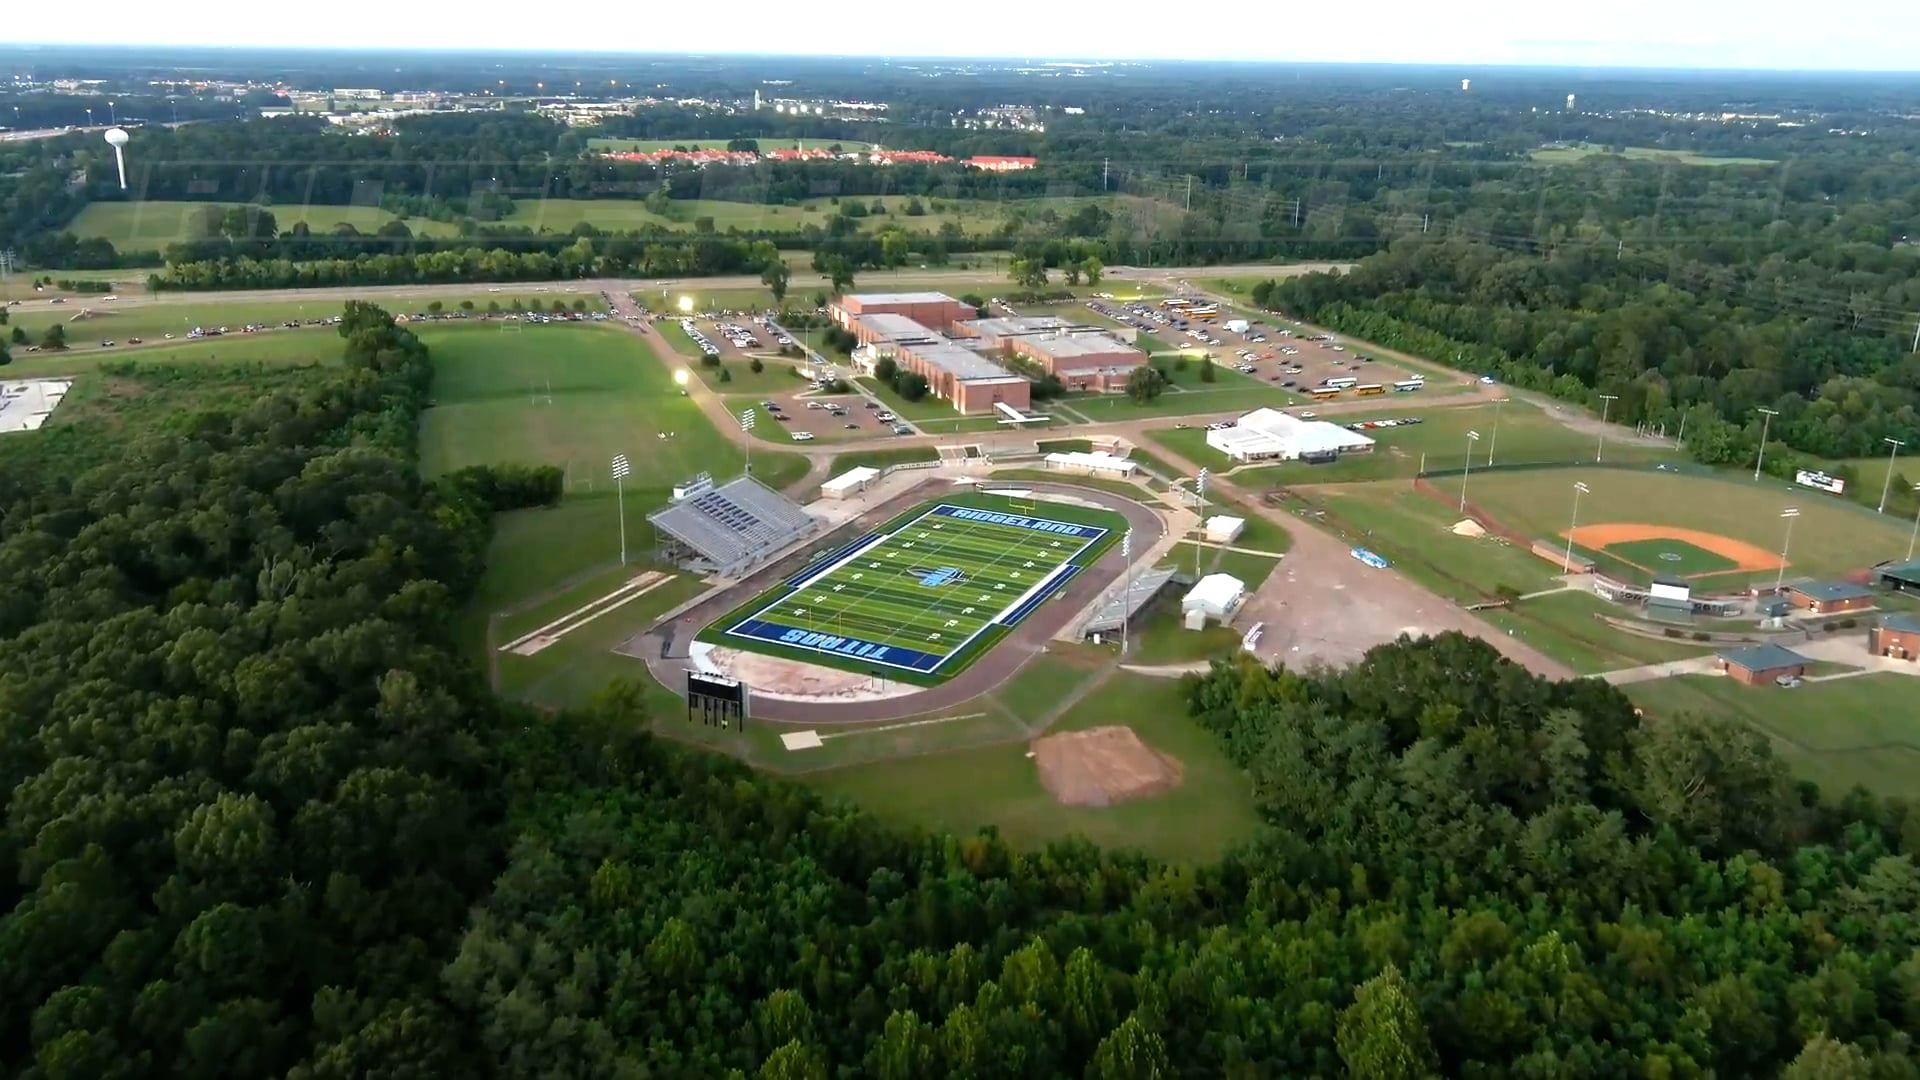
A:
(1676, 557)
(1209, 811)
(1858, 730)
(879, 599)
(1830, 538)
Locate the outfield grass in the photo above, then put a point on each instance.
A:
(1566, 627)
(1859, 730)
(1676, 557)
(998, 786)
(1411, 531)
(1830, 538)
(920, 632)
(1569, 155)
(153, 225)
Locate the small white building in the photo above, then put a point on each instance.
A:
(1272, 435)
(849, 483)
(1239, 326)
(1216, 597)
(1225, 529)
(1098, 463)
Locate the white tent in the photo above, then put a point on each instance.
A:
(1265, 434)
(1224, 528)
(1091, 463)
(1215, 596)
(848, 483)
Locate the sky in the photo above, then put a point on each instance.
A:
(1859, 35)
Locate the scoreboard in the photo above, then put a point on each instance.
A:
(717, 701)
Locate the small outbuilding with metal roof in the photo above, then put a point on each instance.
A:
(1897, 636)
(1830, 597)
(1758, 665)
(1902, 575)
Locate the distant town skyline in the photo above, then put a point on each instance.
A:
(1874, 35)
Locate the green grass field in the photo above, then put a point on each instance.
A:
(151, 226)
(1859, 730)
(609, 396)
(971, 215)
(1830, 538)
(943, 583)
(1676, 557)
(89, 321)
(966, 790)
(646, 146)
(1569, 155)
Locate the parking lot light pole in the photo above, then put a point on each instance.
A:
(1765, 425)
(1573, 523)
(1786, 515)
(1888, 482)
(1472, 437)
(1606, 406)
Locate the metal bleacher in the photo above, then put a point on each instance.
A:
(729, 528)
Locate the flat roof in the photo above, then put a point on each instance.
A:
(1902, 622)
(1831, 590)
(1017, 325)
(1905, 571)
(900, 298)
(958, 361)
(1272, 430)
(1068, 346)
(1762, 657)
(895, 327)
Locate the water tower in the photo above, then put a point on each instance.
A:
(1569, 102)
(1466, 84)
(117, 138)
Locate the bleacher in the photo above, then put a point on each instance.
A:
(727, 529)
(1127, 599)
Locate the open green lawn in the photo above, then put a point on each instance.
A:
(1859, 730)
(963, 791)
(1249, 568)
(1569, 155)
(152, 225)
(974, 216)
(1830, 538)
(1566, 627)
(947, 580)
(1871, 480)
(609, 396)
(1157, 635)
(1412, 531)
(927, 408)
(88, 321)
(1510, 434)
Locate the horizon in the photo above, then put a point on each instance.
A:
(1640, 35)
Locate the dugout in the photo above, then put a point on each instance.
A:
(1830, 597)
(1897, 576)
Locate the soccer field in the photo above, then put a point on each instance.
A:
(921, 592)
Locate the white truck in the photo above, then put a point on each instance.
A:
(1239, 326)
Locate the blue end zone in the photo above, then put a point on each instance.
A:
(826, 562)
(1088, 533)
(1058, 582)
(819, 641)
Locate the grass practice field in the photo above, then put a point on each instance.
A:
(152, 225)
(1737, 521)
(924, 595)
(1857, 730)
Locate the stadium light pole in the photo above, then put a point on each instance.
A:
(1200, 494)
(1765, 424)
(1126, 587)
(1786, 515)
(1493, 444)
(1573, 523)
(1915, 534)
(1886, 484)
(1472, 437)
(1606, 406)
(620, 470)
(746, 436)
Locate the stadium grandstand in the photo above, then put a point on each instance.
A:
(1126, 600)
(729, 528)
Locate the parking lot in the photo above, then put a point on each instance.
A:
(826, 418)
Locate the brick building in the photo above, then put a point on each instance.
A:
(1081, 357)
(1830, 597)
(899, 326)
(1761, 665)
(1897, 636)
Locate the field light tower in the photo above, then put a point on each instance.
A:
(117, 138)
(686, 304)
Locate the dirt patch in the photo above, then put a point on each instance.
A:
(1468, 527)
(773, 676)
(1102, 766)
(1747, 558)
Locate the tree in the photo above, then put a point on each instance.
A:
(1131, 1051)
(894, 248)
(839, 272)
(910, 385)
(558, 307)
(466, 305)
(756, 365)
(435, 307)
(493, 307)
(1381, 1035)
(1828, 1059)
(1091, 268)
(1208, 372)
(703, 224)
(54, 338)
(886, 369)
(774, 276)
(914, 208)
(1071, 272)
(19, 335)
(580, 304)
(1145, 383)
(1028, 272)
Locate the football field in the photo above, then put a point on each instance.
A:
(922, 591)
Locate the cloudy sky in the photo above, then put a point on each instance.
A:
(1864, 35)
